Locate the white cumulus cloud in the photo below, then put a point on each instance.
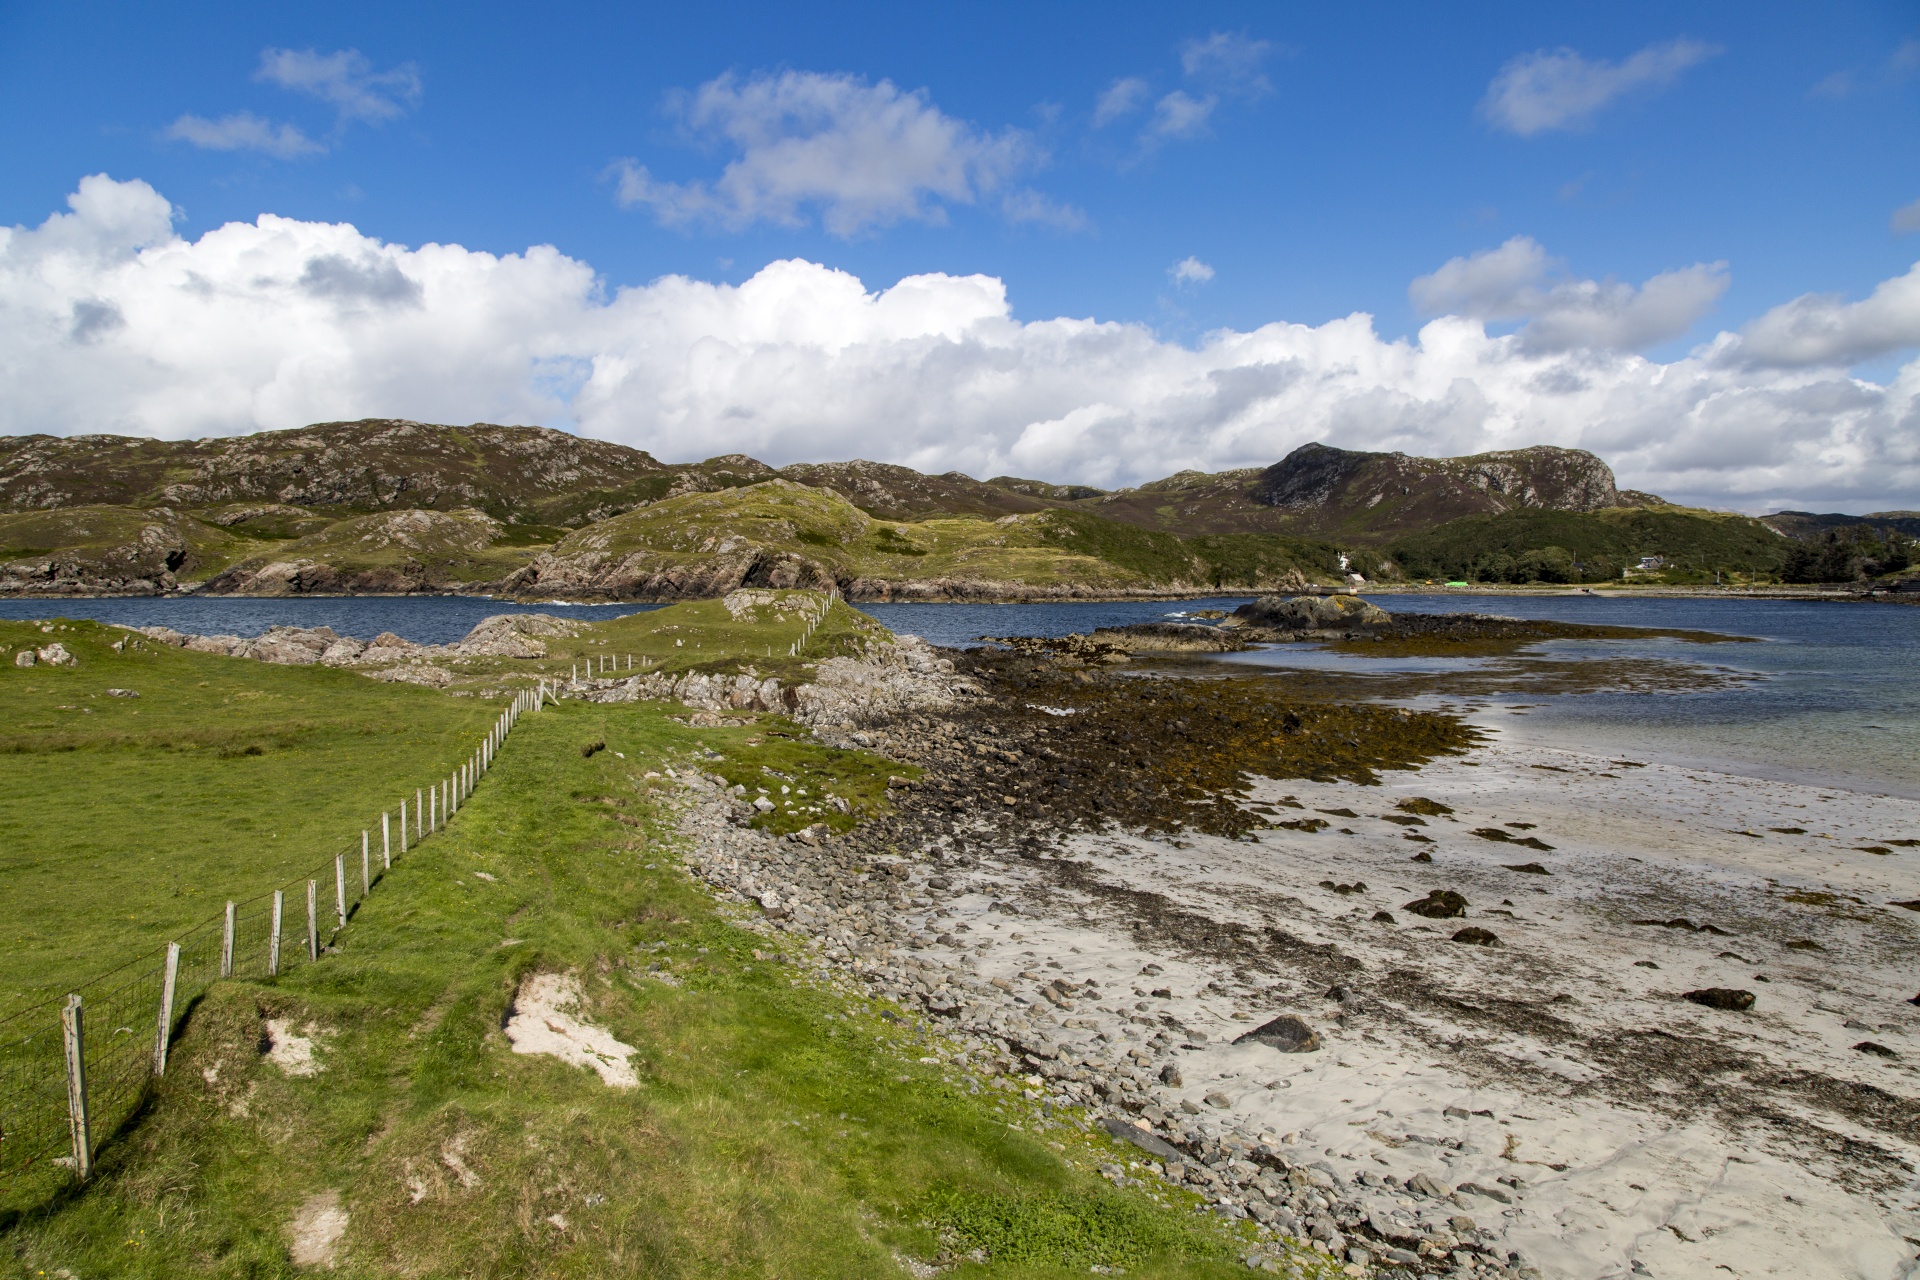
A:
(1518, 281)
(1560, 89)
(865, 155)
(1120, 99)
(1826, 330)
(111, 322)
(1179, 115)
(345, 80)
(1229, 62)
(1190, 270)
(243, 131)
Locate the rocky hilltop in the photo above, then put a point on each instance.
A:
(1330, 487)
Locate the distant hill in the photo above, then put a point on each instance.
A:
(393, 505)
(1806, 526)
(531, 475)
(889, 492)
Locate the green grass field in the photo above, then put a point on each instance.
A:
(124, 820)
(781, 1127)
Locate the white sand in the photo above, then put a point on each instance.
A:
(1683, 1166)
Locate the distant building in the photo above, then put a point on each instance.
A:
(1650, 563)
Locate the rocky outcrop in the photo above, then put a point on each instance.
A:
(1312, 613)
(640, 575)
(903, 677)
(504, 635)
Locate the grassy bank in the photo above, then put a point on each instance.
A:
(779, 1127)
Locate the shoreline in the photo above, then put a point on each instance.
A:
(1546, 1105)
(1599, 591)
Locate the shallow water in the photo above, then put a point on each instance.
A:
(1835, 700)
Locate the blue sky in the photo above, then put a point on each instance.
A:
(1310, 161)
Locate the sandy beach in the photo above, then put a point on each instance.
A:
(1547, 1103)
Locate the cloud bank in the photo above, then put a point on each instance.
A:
(110, 322)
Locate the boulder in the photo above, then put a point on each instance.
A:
(1439, 904)
(1474, 935)
(1721, 998)
(56, 655)
(1141, 1138)
(1313, 613)
(1286, 1033)
(25, 658)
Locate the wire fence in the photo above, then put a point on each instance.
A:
(76, 1068)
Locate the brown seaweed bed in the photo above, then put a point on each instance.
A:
(1478, 635)
(1059, 748)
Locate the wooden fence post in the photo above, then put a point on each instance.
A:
(226, 943)
(419, 813)
(273, 938)
(366, 880)
(313, 919)
(340, 887)
(165, 1031)
(386, 835)
(73, 1027)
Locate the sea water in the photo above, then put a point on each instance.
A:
(1833, 696)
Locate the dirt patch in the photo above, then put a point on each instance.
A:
(542, 1020)
(316, 1230)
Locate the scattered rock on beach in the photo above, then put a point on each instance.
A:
(1877, 1050)
(1474, 935)
(1420, 804)
(1439, 904)
(1529, 868)
(1721, 998)
(1286, 1033)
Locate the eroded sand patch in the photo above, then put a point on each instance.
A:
(542, 1022)
(316, 1230)
(290, 1051)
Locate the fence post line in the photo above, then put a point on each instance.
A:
(164, 1032)
(273, 939)
(340, 887)
(226, 943)
(73, 1029)
(313, 919)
